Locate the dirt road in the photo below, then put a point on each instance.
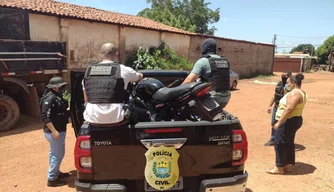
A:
(24, 151)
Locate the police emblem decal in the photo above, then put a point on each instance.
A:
(162, 170)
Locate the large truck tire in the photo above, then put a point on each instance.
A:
(9, 113)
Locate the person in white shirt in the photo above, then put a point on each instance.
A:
(104, 88)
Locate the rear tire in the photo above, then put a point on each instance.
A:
(9, 113)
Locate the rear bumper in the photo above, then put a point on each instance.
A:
(230, 184)
(88, 187)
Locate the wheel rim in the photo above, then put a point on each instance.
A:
(3, 112)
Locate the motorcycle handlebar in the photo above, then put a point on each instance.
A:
(138, 63)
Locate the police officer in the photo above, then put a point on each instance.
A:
(54, 115)
(274, 101)
(215, 69)
(104, 87)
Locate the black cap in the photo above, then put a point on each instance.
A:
(56, 82)
(209, 46)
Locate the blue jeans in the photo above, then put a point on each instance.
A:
(273, 122)
(56, 154)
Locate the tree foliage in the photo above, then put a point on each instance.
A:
(324, 50)
(189, 15)
(161, 57)
(67, 96)
(305, 48)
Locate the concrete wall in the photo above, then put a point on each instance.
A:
(44, 28)
(133, 38)
(291, 64)
(84, 39)
(264, 59)
(178, 42)
(307, 64)
(246, 59)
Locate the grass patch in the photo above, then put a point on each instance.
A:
(265, 76)
(257, 75)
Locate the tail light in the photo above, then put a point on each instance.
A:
(203, 91)
(240, 147)
(167, 130)
(8, 74)
(82, 155)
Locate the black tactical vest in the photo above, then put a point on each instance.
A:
(279, 92)
(220, 73)
(104, 84)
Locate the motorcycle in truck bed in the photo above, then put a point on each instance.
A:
(158, 156)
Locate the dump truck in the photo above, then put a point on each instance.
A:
(25, 68)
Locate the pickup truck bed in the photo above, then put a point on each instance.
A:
(211, 154)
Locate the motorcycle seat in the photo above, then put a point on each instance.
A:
(166, 94)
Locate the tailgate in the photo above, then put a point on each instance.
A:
(204, 148)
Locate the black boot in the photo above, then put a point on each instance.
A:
(56, 183)
(62, 175)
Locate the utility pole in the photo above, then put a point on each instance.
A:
(312, 51)
(274, 42)
(274, 51)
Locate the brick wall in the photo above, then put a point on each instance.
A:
(291, 64)
(246, 58)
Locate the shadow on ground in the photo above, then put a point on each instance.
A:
(24, 124)
(301, 168)
(299, 147)
(235, 89)
(71, 180)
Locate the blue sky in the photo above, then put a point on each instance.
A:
(294, 22)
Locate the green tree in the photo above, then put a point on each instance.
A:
(324, 50)
(190, 15)
(305, 48)
(161, 57)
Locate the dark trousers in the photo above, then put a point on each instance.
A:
(285, 141)
(273, 122)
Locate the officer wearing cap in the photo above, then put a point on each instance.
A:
(54, 115)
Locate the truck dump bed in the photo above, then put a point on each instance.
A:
(24, 57)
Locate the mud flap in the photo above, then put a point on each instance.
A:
(19, 82)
